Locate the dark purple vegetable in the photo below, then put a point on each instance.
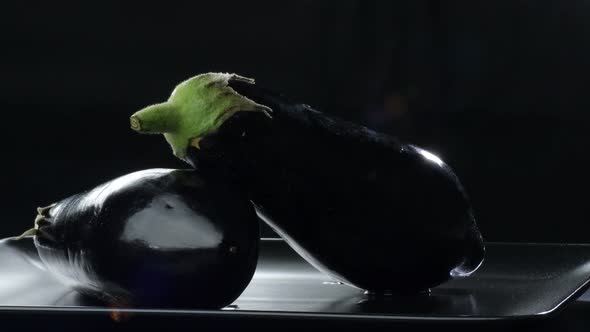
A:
(154, 238)
(359, 205)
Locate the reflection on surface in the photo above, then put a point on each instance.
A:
(425, 304)
(430, 156)
(169, 224)
(22, 282)
(98, 195)
(515, 280)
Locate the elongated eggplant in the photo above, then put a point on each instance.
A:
(153, 238)
(362, 206)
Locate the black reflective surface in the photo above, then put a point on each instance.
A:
(158, 237)
(516, 281)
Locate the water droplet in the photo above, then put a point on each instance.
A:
(333, 283)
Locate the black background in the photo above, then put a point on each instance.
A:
(498, 89)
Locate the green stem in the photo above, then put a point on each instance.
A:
(196, 108)
(156, 119)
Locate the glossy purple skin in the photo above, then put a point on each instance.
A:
(359, 205)
(154, 238)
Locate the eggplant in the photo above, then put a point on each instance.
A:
(367, 209)
(153, 238)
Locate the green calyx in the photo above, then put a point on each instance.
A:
(196, 108)
(40, 221)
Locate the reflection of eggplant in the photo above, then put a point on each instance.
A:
(159, 237)
(359, 205)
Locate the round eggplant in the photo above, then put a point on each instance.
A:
(362, 206)
(153, 238)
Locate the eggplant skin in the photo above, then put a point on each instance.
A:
(154, 238)
(361, 206)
